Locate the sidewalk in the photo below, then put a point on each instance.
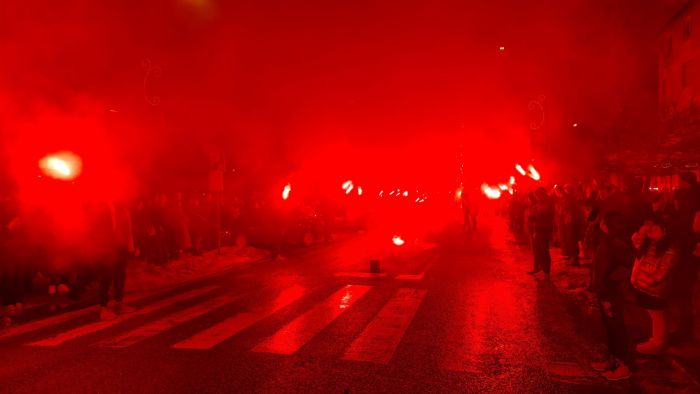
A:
(677, 371)
(145, 277)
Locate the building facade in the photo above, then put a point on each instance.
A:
(679, 89)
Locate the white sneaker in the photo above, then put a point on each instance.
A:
(107, 314)
(619, 373)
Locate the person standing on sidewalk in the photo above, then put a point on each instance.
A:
(650, 279)
(12, 263)
(612, 262)
(543, 229)
(113, 245)
(571, 223)
(686, 203)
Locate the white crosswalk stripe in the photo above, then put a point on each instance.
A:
(382, 336)
(301, 330)
(235, 324)
(102, 325)
(58, 319)
(376, 343)
(169, 322)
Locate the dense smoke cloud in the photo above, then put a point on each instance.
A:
(282, 86)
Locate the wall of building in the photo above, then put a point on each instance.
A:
(679, 59)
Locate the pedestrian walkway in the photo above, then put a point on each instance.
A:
(377, 343)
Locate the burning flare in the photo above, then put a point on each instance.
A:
(492, 193)
(533, 173)
(63, 165)
(398, 241)
(285, 192)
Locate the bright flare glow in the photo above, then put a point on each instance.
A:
(285, 192)
(520, 169)
(511, 181)
(64, 165)
(405, 194)
(492, 193)
(533, 173)
(398, 241)
(359, 191)
(503, 186)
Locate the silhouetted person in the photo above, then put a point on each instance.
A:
(543, 228)
(112, 244)
(612, 264)
(686, 202)
(651, 279)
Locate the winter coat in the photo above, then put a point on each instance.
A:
(651, 273)
(613, 259)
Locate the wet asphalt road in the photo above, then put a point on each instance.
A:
(463, 318)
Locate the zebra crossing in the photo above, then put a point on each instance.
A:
(375, 344)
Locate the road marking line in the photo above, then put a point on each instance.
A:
(235, 324)
(169, 322)
(361, 274)
(101, 325)
(421, 276)
(301, 330)
(382, 336)
(62, 318)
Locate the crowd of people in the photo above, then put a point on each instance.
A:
(643, 245)
(64, 248)
(93, 244)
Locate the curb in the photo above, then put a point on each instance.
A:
(200, 278)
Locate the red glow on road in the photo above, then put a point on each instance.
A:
(398, 241)
(286, 191)
(64, 166)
